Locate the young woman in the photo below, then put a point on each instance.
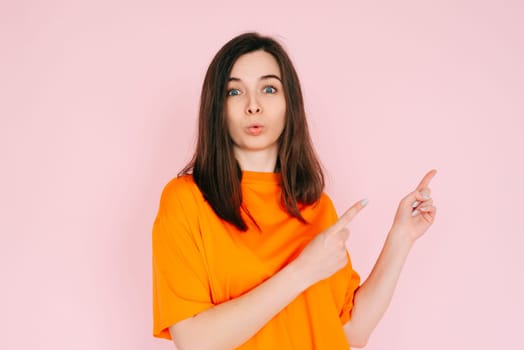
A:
(248, 252)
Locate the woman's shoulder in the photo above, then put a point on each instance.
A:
(180, 189)
(325, 200)
(322, 207)
(180, 183)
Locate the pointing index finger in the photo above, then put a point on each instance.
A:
(426, 179)
(346, 218)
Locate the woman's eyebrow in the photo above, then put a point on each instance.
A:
(269, 76)
(264, 77)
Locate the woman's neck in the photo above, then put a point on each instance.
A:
(260, 161)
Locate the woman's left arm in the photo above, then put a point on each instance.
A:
(414, 216)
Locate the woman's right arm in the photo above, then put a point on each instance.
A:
(232, 323)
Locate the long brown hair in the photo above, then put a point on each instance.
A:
(214, 167)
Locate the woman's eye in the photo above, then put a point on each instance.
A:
(233, 92)
(269, 90)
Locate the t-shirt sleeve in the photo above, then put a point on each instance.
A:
(351, 276)
(354, 282)
(180, 280)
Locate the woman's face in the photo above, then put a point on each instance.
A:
(255, 106)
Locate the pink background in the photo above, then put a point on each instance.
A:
(98, 111)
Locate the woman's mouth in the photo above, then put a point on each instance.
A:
(255, 130)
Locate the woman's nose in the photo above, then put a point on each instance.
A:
(253, 106)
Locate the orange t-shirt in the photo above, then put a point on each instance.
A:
(199, 261)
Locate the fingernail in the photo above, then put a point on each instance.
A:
(415, 213)
(424, 209)
(415, 203)
(425, 196)
(364, 202)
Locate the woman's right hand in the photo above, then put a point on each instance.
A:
(326, 253)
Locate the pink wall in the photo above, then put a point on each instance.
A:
(98, 107)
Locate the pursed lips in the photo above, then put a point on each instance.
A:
(255, 129)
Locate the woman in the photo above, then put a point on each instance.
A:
(248, 252)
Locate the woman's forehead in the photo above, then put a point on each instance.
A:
(255, 65)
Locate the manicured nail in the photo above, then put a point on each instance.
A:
(364, 202)
(415, 203)
(424, 209)
(415, 213)
(425, 196)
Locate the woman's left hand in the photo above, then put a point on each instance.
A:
(416, 211)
